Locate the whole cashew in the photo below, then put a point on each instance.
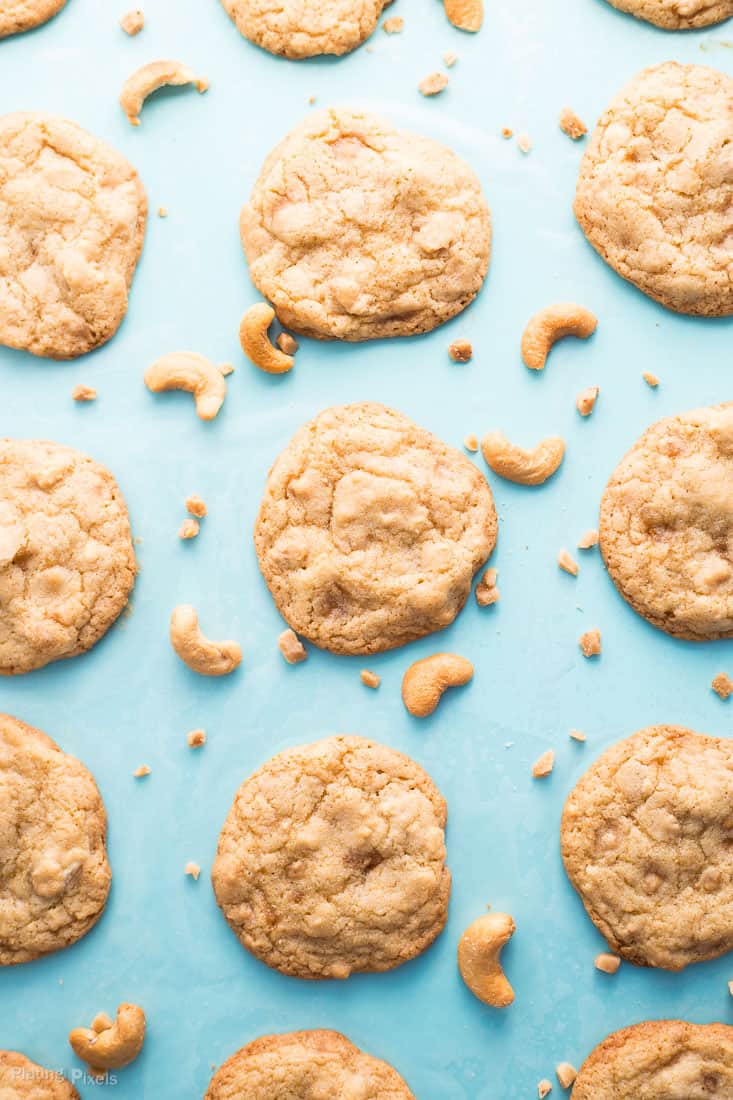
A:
(256, 343)
(552, 324)
(479, 952)
(149, 78)
(112, 1047)
(201, 655)
(186, 370)
(531, 467)
(425, 681)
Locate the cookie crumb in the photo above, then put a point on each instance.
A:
(588, 539)
(524, 144)
(577, 735)
(585, 402)
(142, 771)
(650, 379)
(370, 679)
(544, 1088)
(471, 443)
(433, 84)
(287, 343)
(606, 963)
(394, 25)
(571, 125)
(189, 529)
(132, 22)
(507, 133)
(486, 591)
(566, 562)
(84, 393)
(449, 59)
(226, 369)
(196, 506)
(196, 739)
(193, 870)
(722, 685)
(162, 211)
(460, 351)
(543, 765)
(291, 647)
(566, 1074)
(590, 643)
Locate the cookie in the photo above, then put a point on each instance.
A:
(332, 860)
(72, 222)
(294, 29)
(677, 15)
(655, 191)
(666, 526)
(21, 1079)
(23, 15)
(54, 874)
(356, 230)
(646, 841)
(660, 1059)
(67, 565)
(304, 1065)
(371, 529)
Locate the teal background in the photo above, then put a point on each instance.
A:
(162, 941)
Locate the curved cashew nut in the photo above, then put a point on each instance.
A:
(110, 1045)
(467, 15)
(479, 951)
(203, 656)
(552, 324)
(523, 467)
(425, 681)
(256, 343)
(186, 370)
(149, 78)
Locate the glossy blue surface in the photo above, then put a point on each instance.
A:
(162, 941)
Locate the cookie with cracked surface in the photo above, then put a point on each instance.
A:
(21, 1079)
(72, 222)
(24, 15)
(666, 524)
(371, 529)
(655, 190)
(356, 230)
(54, 874)
(303, 1065)
(332, 860)
(297, 29)
(677, 15)
(646, 841)
(660, 1058)
(67, 564)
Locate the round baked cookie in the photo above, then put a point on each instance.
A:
(305, 28)
(658, 1059)
(666, 524)
(72, 222)
(21, 1079)
(54, 874)
(677, 15)
(655, 191)
(306, 1065)
(332, 860)
(23, 15)
(647, 842)
(67, 564)
(371, 529)
(356, 230)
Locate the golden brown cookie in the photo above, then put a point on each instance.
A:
(677, 15)
(666, 525)
(72, 222)
(371, 529)
(54, 874)
(23, 15)
(356, 230)
(21, 1079)
(297, 29)
(660, 1060)
(332, 860)
(306, 1065)
(647, 841)
(67, 565)
(655, 190)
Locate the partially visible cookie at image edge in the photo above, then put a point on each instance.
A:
(23, 15)
(305, 28)
(21, 1079)
(677, 15)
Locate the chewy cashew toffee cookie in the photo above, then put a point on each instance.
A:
(54, 874)
(666, 524)
(647, 841)
(332, 860)
(371, 529)
(655, 190)
(67, 564)
(356, 230)
(658, 1059)
(677, 15)
(305, 28)
(23, 15)
(303, 1065)
(72, 223)
(21, 1079)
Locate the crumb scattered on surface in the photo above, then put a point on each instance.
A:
(543, 765)
(577, 735)
(132, 22)
(650, 379)
(590, 643)
(588, 539)
(291, 647)
(394, 25)
(433, 84)
(84, 393)
(189, 529)
(607, 963)
(450, 58)
(193, 870)
(544, 1088)
(142, 771)
(370, 679)
(507, 133)
(311, 99)
(196, 506)
(288, 344)
(524, 143)
(460, 351)
(722, 685)
(196, 739)
(486, 591)
(585, 402)
(226, 369)
(571, 124)
(566, 562)
(471, 443)
(566, 1074)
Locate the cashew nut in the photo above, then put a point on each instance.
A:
(201, 655)
(110, 1047)
(426, 680)
(256, 343)
(186, 370)
(467, 15)
(552, 324)
(149, 78)
(531, 467)
(479, 952)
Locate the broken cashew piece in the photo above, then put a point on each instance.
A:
(186, 370)
(479, 952)
(531, 467)
(110, 1044)
(552, 324)
(149, 78)
(194, 648)
(425, 681)
(256, 343)
(466, 15)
